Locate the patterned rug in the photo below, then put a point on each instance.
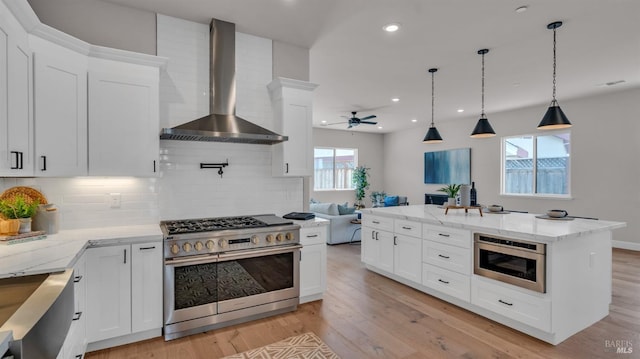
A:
(304, 346)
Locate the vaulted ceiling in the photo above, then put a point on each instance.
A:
(360, 67)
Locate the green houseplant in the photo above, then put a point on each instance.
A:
(360, 175)
(18, 208)
(451, 191)
(377, 198)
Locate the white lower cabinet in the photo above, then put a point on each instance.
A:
(124, 290)
(313, 263)
(377, 248)
(407, 257)
(75, 343)
(526, 308)
(446, 281)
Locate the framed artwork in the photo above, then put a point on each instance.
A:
(447, 167)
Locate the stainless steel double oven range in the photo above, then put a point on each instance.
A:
(228, 270)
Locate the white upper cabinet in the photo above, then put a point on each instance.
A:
(16, 115)
(292, 102)
(60, 97)
(123, 119)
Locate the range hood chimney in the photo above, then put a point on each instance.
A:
(222, 125)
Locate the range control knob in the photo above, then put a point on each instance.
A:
(210, 244)
(255, 239)
(280, 237)
(224, 243)
(270, 238)
(186, 247)
(289, 236)
(198, 246)
(175, 249)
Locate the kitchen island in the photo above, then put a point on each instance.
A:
(441, 255)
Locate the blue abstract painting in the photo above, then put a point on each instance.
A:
(447, 167)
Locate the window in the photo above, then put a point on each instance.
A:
(536, 165)
(333, 168)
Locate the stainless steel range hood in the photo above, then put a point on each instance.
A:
(222, 125)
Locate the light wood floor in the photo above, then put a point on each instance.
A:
(365, 315)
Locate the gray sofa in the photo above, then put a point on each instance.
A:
(341, 230)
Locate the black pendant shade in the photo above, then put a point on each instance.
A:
(554, 119)
(483, 129)
(432, 136)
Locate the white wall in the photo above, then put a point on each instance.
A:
(605, 159)
(101, 23)
(370, 154)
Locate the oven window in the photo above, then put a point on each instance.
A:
(195, 285)
(514, 266)
(257, 275)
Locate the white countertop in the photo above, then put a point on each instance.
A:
(314, 222)
(522, 225)
(60, 251)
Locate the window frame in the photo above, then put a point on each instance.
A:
(535, 136)
(334, 149)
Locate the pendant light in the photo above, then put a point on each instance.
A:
(554, 118)
(432, 136)
(483, 128)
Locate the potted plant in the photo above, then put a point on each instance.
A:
(359, 179)
(377, 198)
(451, 191)
(18, 208)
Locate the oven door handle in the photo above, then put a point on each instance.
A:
(257, 253)
(191, 260)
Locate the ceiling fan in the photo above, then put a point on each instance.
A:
(355, 121)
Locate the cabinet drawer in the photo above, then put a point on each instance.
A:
(448, 257)
(313, 235)
(376, 222)
(408, 228)
(528, 309)
(445, 281)
(453, 236)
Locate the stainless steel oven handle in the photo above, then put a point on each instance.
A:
(191, 260)
(257, 252)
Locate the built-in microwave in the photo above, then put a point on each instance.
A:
(512, 261)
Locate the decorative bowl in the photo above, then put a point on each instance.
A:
(557, 213)
(495, 208)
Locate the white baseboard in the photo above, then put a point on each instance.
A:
(125, 339)
(626, 245)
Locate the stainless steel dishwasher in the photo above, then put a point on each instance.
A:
(39, 310)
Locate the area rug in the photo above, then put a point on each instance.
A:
(304, 346)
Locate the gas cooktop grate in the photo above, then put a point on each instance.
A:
(211, 224)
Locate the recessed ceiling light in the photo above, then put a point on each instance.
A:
(461, 110)
(379, 127)
(324, 121)
(522, 9)
(395, 99)
(391, 27)
(414, 120)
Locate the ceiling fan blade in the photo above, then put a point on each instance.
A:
(334, 123)
(369, 122)
(368, 117)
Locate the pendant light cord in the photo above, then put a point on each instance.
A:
(432, 97)
(482, 114)
(554, 65)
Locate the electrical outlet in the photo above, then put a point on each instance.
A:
(114, 200)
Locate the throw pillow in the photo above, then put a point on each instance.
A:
(390, 201)
(345, 209)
